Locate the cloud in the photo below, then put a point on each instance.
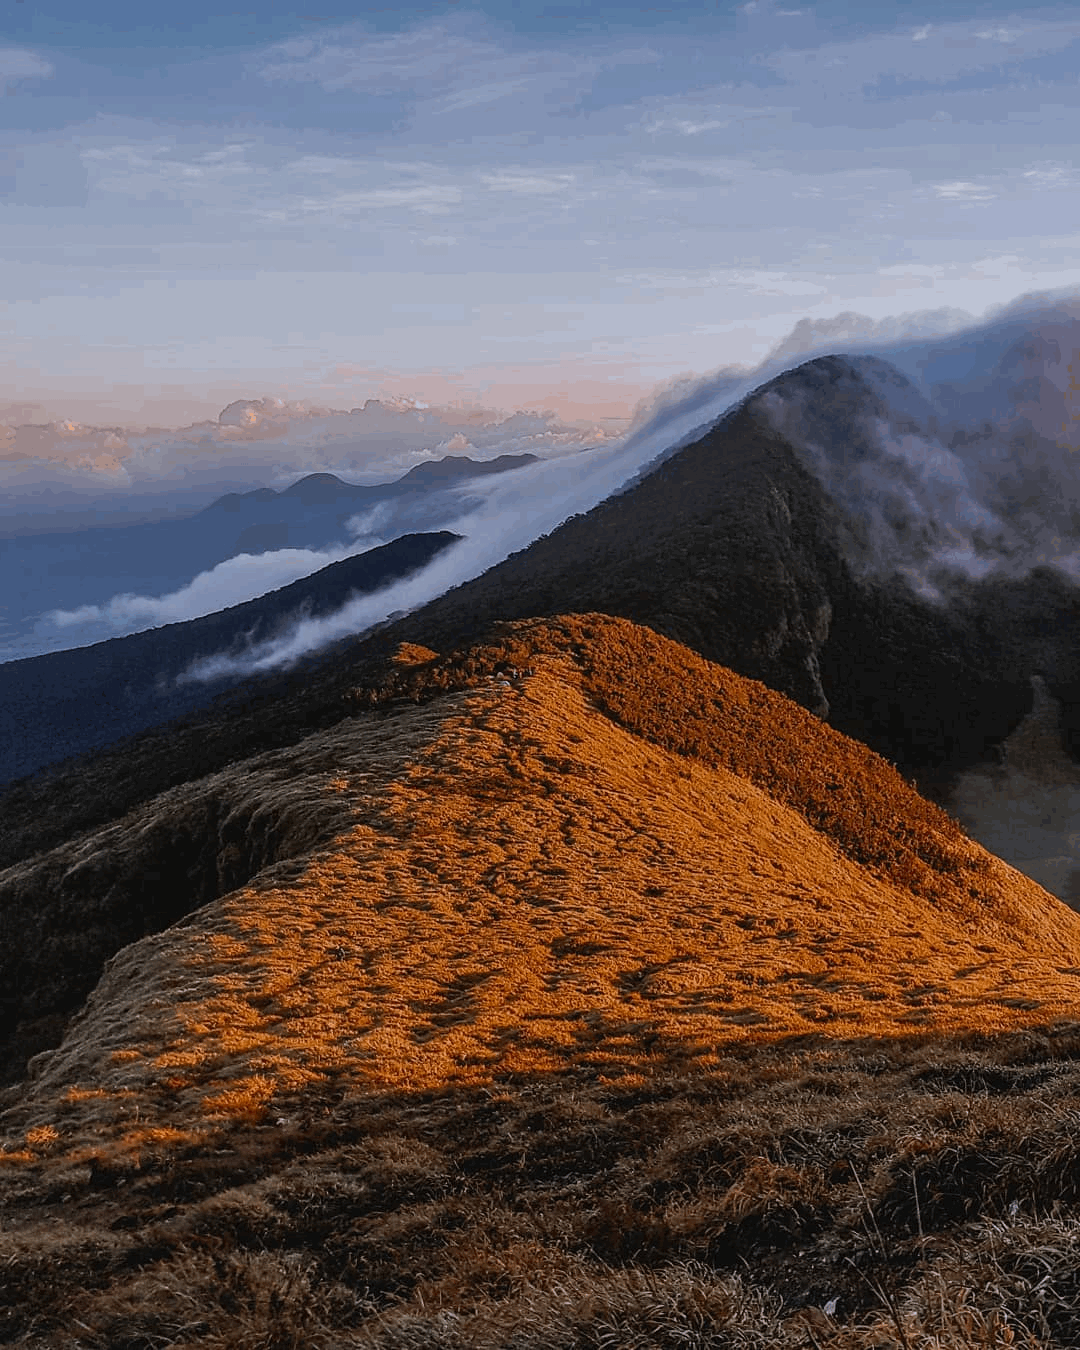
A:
(903, 64)
(449, 66)
(687, 126)
(16, 63)
(964, 192)
(999, 34)
(452, 65)
(240, 578)
(432, 55)
(527, 184)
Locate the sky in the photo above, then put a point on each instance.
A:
(528, 205)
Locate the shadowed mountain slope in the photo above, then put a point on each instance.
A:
(512, 871)
(734, 547)
(66, 703)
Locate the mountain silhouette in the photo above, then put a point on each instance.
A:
(44, 572)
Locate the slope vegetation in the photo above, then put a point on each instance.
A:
(573, 991)
(626, 848)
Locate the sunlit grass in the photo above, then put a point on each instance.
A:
(591, 1023)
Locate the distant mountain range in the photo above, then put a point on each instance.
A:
(44, 572)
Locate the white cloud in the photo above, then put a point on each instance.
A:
(776, 283)
(999, 34)
(961, 191)
(524, 184)
(933, 53)
(229, 583)
(688, 126)
(16, 63)
(427, 198)
(453, 64)
(1049, 176)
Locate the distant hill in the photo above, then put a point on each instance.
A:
(88, 567)
(67, 703)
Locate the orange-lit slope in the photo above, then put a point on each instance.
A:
(540, 885)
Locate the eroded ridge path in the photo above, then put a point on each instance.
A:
(576, 845)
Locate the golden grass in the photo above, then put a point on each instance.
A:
(593, 1024)
(854, 1196)
(537, 887)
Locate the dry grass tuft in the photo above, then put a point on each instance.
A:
(749, 1206)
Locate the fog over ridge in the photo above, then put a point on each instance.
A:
(920, 508)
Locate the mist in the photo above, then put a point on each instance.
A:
(242, 577)
(952, 460)
(922, 460)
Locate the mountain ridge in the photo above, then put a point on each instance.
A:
(617, 685)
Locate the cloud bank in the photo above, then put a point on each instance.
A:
(927, 498)
(61, 469)
(240, 578)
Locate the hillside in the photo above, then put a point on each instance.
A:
(572, 867)
(735, 547)
(67, 703)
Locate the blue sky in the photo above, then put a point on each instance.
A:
(523, 205)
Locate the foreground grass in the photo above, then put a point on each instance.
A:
(873, 1194)
(496, 1019)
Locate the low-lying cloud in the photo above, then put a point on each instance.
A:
(237, 579)
(927, 499)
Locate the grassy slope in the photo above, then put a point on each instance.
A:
(620, 1004)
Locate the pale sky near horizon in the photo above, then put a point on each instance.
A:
(522, 205)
